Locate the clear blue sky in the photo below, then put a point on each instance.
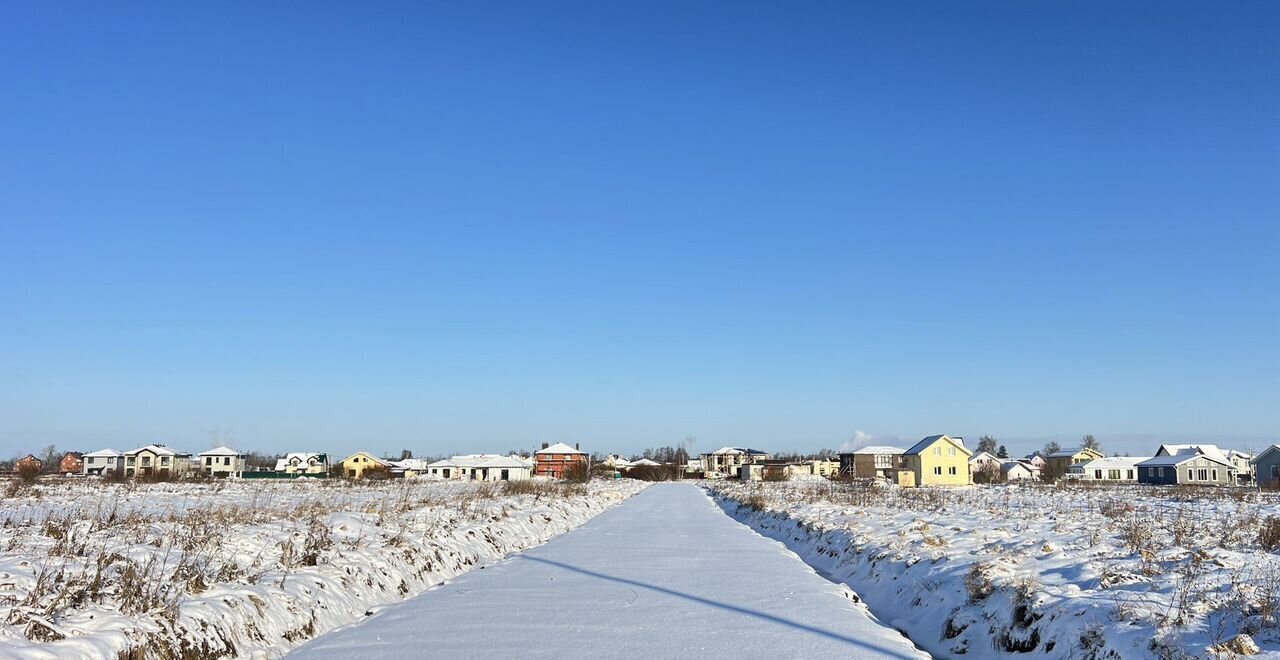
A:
(482, 226)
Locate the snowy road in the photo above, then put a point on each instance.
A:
(664, 574)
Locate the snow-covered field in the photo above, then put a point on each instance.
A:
(1037, 571)
(252, 569)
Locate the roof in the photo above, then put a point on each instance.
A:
(560, 448)
(480, 461)
(110, 453)
(1071, 451)
(1114, 462)
(645, 462)
(158, 450)
(365, 453)
(1009, 466)
(879, 450)
(219, 451)
(983, 456)
(928, 442)
(1179, 454)
(409, 464)
(1264, 452)
(739, 450)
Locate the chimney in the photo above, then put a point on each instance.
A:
(575, 446)
(545, 445)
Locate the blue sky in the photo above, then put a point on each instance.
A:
(483, 226)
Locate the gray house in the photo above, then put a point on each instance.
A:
(1266, 467)
(1198, 465)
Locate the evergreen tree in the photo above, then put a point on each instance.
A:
(1002, 452)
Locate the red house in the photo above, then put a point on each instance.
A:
(556, 460)
(72, 463)
(28, 462)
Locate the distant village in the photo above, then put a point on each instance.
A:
(936, 460)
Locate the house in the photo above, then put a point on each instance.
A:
(938, 460)
(1056, 464)
(303, 463)
(71, 463)
(819, 467)
(871, 462)
(28, 463)
(481, 467)
(356, 465)
(1020, 471)
(557, 460)
(1119, 469)
(1035, 459)
(726, 460)
(1243, 461)
(694, 466)
(156, 460)
(1266, 467)
(1200, 465)
(408, 468)
(221, 462)
(103, 462)
(984, 464)
(617, 462)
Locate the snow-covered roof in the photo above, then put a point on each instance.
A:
(645, 462)
(1114, 462)
(108, 453)
(379, 461)
(480, 461)
(738, 450)
(880, 450)
(415, 464)
(983, 456)
(1009, 466)
(1236, 453)
(220, 451)
(1069, 452)
(1179, 454)
(560, 448)
(158, 450)
(928, 442)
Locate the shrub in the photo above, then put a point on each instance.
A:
(27, 472)
(577, 473)
(1269, 534)
(977, 582)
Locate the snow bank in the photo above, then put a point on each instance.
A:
(1037, 571)
(252, 569)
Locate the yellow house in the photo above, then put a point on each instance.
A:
(355, 465)
(1056, 464)
(938, 460)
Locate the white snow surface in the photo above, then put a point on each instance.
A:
(1040, 572)
(664, 575)
(249, 568)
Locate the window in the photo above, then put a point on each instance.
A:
(937, 451)
(938, 470)
(446, 473)
(1215, 474)
(1275, 471)
(1204, 474)
(1097, 474)
(1189, 475)
(164, 460)
(1159, 472)
(952, 451)
(1128, 474)
(505, 474)
(208, 460)
(951, 470)
(226, 461)
(1113, 474)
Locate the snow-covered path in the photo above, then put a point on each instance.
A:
(664, 574)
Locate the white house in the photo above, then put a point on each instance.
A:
(726, 460)
(983, 462)
(1020, 471)
(303, 463)
(103, 461)
(1119, 469)
(481, 467)
(1243, 461)
(221, 462)
(156, 460)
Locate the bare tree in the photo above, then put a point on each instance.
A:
(1090, 442)
(50, 457)
(1052, 448)
(987, 443)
